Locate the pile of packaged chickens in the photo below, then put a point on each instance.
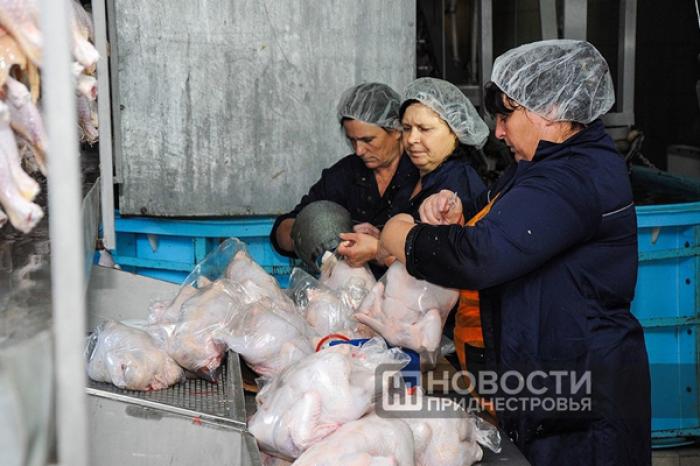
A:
(23, 143)
(316, 404)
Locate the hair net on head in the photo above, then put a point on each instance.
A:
(561, 80)
(373, 103)
(452, 105)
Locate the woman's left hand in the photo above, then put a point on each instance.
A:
(443, 208)
(358, 248)
(392, 241)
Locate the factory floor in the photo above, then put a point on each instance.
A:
(683, 456)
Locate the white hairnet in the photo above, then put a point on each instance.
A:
(452, 105)
(373, 103)
(561, 80)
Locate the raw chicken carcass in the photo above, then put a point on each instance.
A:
(445, 441)
(26, 120)
(313, 397)
(21, 19)
(369, 441)
(325, 309)
(197, 343)
(353, 283)
(408, 312)
(87, 119)
(27, 186)
(23, 214)
(169, 311)
(258, 283)
(269, 338)
(129, 358)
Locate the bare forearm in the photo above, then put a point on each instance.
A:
(392, 241)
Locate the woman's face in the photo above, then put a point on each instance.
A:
(377, 147)
(426, 137)
(520, 130)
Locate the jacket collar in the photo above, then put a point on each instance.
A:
(591, 133)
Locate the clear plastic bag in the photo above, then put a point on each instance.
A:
(198, 339)
(269, 338)
(214, 265)
(314, 396)
(324, 309)
(129, 358)
(352, 283)
(451, 437)
(408, 312)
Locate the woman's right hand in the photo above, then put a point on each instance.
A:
(443, 208)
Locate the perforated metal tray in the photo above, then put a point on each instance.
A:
(220, 402)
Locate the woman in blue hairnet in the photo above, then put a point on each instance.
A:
(553, 252)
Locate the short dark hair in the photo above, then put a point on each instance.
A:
(405, 105)
(495, 98)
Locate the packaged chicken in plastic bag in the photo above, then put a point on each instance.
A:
(198, 342)
(324, 309)
(213, 267)
(129, 358)
(314, 396)
(450, 437)
(371, 440)
(269, 338)
(352, 283)
(408, 312)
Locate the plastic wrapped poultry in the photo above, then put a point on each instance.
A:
(197, 342)
(408, 312)
(370, 441)
(269, 338)
(451, 439)
(352, 283)
(129, 358)
(316, 395)
(325, 309)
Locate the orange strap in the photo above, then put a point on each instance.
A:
(468, 318)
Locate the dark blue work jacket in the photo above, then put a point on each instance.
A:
(555, 261)
(351, 184)
(457, 174)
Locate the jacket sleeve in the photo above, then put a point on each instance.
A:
(540, 217)
(326, 188)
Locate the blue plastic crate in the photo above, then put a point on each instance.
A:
(667, 305)
(168, 249)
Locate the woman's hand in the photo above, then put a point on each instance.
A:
(443, 208)
(392, 241)
(358, 248)
(367, 228)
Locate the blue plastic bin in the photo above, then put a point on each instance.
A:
(410, 372)
(168, 249)
(666, 303)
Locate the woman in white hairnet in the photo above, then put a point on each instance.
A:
(553, 253)
(441, 133)
(372, 182)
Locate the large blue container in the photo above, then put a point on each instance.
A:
(666, 301)
(168, 249)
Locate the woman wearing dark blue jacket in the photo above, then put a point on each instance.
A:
(554, 256)
(441, 135)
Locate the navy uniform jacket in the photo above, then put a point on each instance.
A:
(351, 184)
(457, 174)
(555, 261)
